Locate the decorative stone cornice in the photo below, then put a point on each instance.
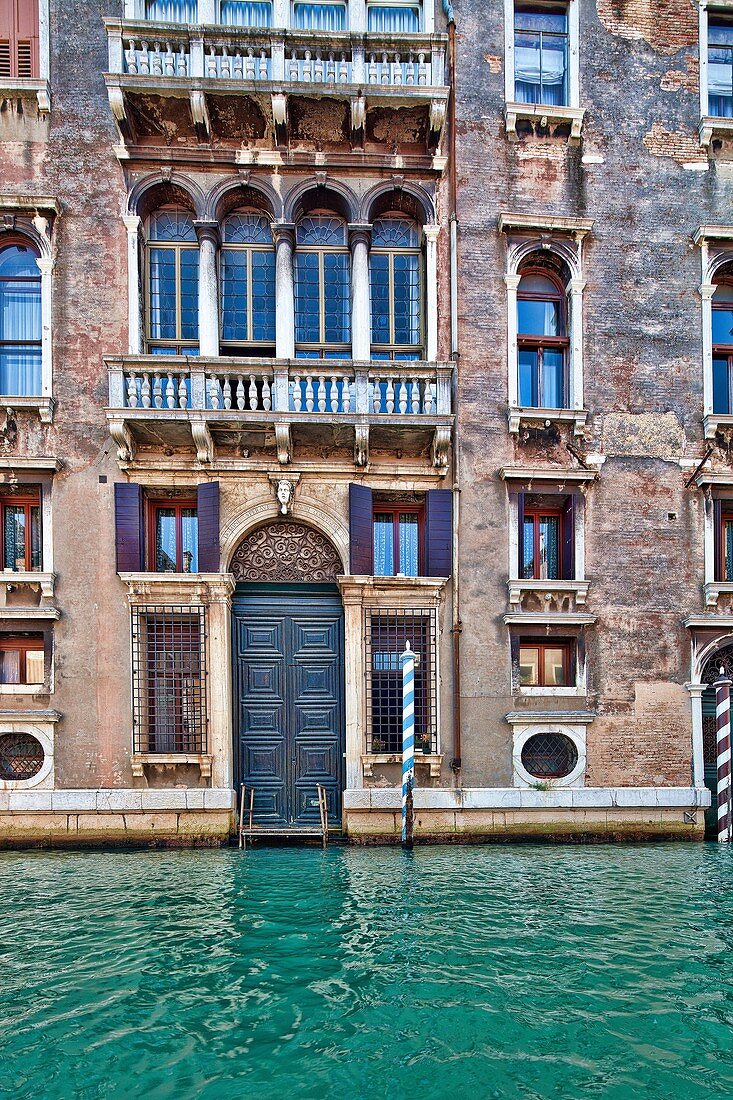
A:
(178, 588)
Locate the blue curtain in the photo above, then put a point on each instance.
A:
(171, 11)
(383, 545)
(320, 17)
(165, 540)
(396, 20)
(409, 529)
(245, 13)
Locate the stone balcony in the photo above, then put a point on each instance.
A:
(272, 407)
(218, 83)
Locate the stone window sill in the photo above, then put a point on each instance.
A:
(715, 589)
(433, 761)
(712, 126)
(27, 88)
(24, 689)
(44, 406)
(552, 591)
(521, 416)
(544, 114)
(717, 422)
(44, 581)
(171, 760)
(551, 693)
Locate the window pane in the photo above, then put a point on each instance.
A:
(721, 391)
(529, 666)
(528, 378)
(383, 544)
(538, 318)
(554, 667)
(320, 17)
(245, 13)
(171, 11)
(165, 540)
(234, 295)
(190, 294)
(528, 549)
(20, 309)
(337, 303)
(396, 20)
(20, 370)
(723, 326)
(379, 271)
(549, 21)
(172, 225)
(10, 666)
(14, 537)
(162, 293)
(36, 547)
(728, 541)
(190, 540)
(409, 531)
(406, 276)
(34, 666)
(263, 296)
(549, 547)
(307, 303)
(552, 396)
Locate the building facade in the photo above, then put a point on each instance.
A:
(329, 327)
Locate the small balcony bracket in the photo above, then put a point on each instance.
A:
(280, 117)
(361, 445)
(284, 443)
(124, 439)
(200, 114)
(441, 450)
(202, 440)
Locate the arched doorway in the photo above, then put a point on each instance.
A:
(711, 672)
(288, 652)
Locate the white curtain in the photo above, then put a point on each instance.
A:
(395, 20)
(320, 17)
(171, 11)
(246, 13)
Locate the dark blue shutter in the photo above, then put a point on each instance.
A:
(129, 539)
(439, 533)
(207, 509)
(718, 540)
(568, 539)
(361, 530)
(520, 536)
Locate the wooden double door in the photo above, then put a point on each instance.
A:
(288, 650)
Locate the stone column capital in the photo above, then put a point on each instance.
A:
(207, 231)
(283, 233)
(431, 232)
(131, 222)
(359, 233)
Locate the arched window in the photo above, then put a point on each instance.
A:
(723, 347)
(247, 285)
(173, 283)
(322, 292)
(395, 266)
(542, 340)
(20, 321)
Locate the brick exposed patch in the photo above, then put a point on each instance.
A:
(493, 61)
(675, 80)
(667, 25)
(680, 146)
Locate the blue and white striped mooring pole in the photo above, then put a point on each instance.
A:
(407, 660)
(722, 723)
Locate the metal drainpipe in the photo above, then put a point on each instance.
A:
(457, 625)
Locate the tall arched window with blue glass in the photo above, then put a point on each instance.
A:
(396, 279)
(247, 285)
(542, 336)
(322, 287)
(173, 283)
(20, 321)
(723, 344)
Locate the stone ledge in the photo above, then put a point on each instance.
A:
(120, 800)
(514, 798)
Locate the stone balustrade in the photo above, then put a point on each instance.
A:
(167, 51)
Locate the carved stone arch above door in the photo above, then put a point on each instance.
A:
(286, 551)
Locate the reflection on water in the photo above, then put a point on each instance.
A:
(484, 972)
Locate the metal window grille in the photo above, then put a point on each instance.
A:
(169, 679)
(549, 755)
(386, 632)
(21, 756)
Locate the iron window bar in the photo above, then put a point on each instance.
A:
(386, 632)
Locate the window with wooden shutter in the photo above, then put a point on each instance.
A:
(208, 532)
(361, 530)
(19, 39)
(129, 527)
(438, 533)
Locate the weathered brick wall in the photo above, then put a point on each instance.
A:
(643, 377)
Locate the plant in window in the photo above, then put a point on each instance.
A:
(542, 340)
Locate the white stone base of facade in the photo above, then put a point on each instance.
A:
(594, 813)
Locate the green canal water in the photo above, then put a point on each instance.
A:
(474, 973)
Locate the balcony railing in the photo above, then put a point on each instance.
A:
(288, 394)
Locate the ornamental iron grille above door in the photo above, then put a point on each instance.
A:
(286, 552)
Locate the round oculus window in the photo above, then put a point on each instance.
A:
(21, 756)
(549, 755)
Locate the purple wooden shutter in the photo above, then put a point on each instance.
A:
(520, 536)
(361, 530)
(568, 539)
(207, 510)
(129, 539)
(718, 562)
(439, 533)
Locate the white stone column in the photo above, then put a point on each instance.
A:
(207, 11)
(575, 381)
(706, 295)
(352, 595)
(208, 235)
(357, 16)
(698, 759)
(220, 681)
(431, 291)
(361, 319)
(281, 13)
(45, 266)
(134, 311)
(512, 282)
(284, 236)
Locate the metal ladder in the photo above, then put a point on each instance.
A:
(247, 828)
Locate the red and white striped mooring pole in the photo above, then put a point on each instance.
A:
(722, 728)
